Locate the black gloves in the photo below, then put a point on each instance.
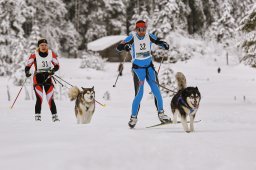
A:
(27, 73)
(127, 47)
(165, 45)
(51, 72)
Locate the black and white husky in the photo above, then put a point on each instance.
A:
(85, 103)
(185, 103)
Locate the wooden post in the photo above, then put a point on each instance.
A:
(8, 93)
(227, 57)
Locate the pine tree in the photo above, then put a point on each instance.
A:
(70, 41)
(167, 80)
(135, 17)
(241, 8)
(196, 18)
(92, 60)
(34, 37)
(248, 26)
(171, 16)
(53, 24)
(115, 19)
(11, 34)
(223, 30)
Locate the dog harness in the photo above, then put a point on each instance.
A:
(184, 103)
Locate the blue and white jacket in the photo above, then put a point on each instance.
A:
(140, 47)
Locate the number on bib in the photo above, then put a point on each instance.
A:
(143, 46)
(45, 64)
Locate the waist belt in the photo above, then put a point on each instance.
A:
(140, 67)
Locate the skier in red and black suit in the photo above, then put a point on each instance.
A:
(46, 64)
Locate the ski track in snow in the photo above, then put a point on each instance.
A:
(224, 139)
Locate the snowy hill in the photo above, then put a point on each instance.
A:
(223, 139)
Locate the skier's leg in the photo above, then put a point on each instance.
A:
(152, 79)
(139, 76)
(39, 99)
(49, 95)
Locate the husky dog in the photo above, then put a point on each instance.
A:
(85, 103)
(185, 103)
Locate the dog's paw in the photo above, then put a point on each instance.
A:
(187, 131)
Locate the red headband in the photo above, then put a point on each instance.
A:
(140, 25)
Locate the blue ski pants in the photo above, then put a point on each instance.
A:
(139, 76)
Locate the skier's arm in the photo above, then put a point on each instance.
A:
(55, 62)
(125, 44)
(157, 41)
(29, 63)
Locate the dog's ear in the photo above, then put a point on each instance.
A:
(92, 87)
(83, 89)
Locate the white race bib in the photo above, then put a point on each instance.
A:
(142, 47)
(44, 64)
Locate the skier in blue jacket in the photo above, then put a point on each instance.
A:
(139, 43)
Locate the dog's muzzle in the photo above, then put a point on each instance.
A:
(195, 105)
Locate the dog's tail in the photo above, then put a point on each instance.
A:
(181, 80)
(73, 93)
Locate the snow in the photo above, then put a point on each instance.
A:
(105, 42)
(223, 139)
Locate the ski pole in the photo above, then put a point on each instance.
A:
(56, 80)
(63, 80)
(18, 93)
(164, 87)
(104, 105)
(119, 72)
(160, 65)
(158, 70)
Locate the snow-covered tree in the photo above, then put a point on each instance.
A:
(223, 30)
(11, 34)
(171, 15)
(168, 81)
(35, 35)
(115, 17)
(92, 60)
(241, 8)
(18, 66)
(89, 19)
(196, 18)
(135, 17)
(248, 26)
(70, 42)
(53, 25)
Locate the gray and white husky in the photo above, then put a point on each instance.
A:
(85, 103)
(185, 103)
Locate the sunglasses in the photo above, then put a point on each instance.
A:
(141, 29)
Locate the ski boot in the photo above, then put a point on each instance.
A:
(37, 117)
(163, 117)
(55, 118)
(132, 122)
